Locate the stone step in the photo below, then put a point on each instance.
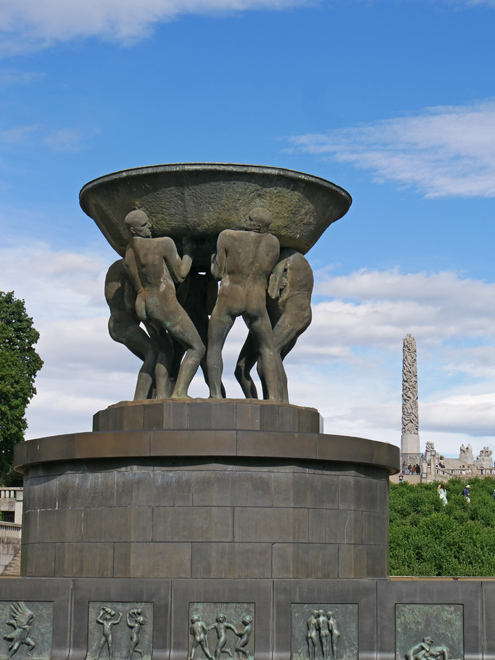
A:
(13, 568)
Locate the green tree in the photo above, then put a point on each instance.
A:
(19, 364)
(428, 538)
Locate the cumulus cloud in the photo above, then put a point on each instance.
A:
(466, 413)
(446, 151)
(376, 308)
(30, 24)
(55, 284)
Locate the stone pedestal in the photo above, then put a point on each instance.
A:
(232, 512)
(206, 490)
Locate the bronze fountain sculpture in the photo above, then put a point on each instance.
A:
(244, 226)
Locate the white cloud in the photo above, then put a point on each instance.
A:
(18, 133)
(377, 308)
(30, 23)
(54, 284)
(466, 413)
(10, 77)
(443, 152)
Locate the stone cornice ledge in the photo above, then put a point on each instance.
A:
(207, 443)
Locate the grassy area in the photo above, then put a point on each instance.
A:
(428, 538)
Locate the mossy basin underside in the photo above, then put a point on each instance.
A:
(199, 200)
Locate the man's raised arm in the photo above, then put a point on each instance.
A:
(218, 259)
(179, 268)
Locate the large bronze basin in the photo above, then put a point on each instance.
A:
(199, 200)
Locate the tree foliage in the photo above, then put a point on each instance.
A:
(428, 538)
(19, 364)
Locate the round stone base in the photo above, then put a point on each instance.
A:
(205, 503)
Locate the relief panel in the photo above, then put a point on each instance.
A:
(120, 631)
(324, 631)
(429, 632)
(27, 630)
(217, 630)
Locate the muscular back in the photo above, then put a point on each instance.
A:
(245, 258)
(157, 262)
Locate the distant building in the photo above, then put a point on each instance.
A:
(10, 530)
(430, 466)
(436, 467)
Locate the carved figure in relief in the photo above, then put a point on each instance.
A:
(243, 263)
(311, 636)
(289, 307)
(22, 620)
(420, 651)
(154, 265)
(244, 636)
(334, 632)
(105, 618)
(441, 651)
(199, 632)
(135, 621)
(323, 627)
(221, 626)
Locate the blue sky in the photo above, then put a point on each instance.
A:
(391, 99)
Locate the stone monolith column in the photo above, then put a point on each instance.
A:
(409, 443)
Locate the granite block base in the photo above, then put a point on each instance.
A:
(261, 496)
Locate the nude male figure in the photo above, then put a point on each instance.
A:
(221, 626)
(154, 265)
(135, 622)
(311, 634)
(124, 327)
(243, 262)
(334, 633)
(199, 631)
(105, 618)
(421, 650)
(439, 651)
(244, 636)
(289, 307)
(323, 627)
